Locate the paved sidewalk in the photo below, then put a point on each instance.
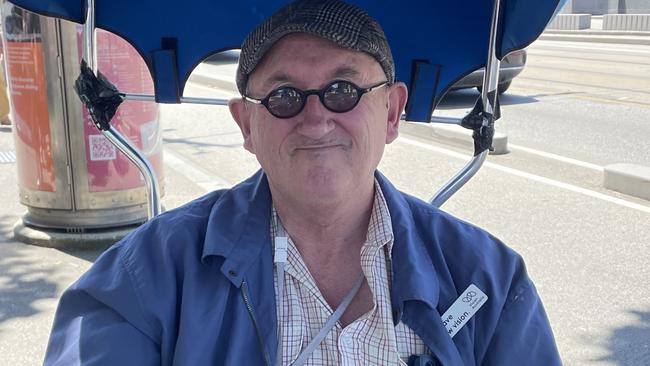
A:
(32, 278)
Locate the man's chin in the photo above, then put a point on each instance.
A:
(322, 183)
(328, 185)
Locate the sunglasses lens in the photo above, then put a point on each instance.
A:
(285, 102)
(341, 96)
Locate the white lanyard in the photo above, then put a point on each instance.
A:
(280, 259)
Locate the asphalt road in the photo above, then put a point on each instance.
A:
(586, 247)
(586, 101)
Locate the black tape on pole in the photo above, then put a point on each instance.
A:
(98, 95)
(482, 135)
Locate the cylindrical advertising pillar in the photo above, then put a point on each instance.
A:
(80, 191)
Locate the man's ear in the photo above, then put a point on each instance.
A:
(397, 97)
(242, 116)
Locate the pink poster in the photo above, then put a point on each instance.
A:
(108, 168)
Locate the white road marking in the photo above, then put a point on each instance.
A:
(193, 172)
(561, 158)
(537, 178)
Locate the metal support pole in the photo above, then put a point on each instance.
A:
(89, 50)
(113, 135)
(491, 77)
(488, 98)
(458, 180)
(145, 167)
(190, 100)
(446, 120)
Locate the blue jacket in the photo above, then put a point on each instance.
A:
(194, 286)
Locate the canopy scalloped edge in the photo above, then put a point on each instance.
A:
(434, 43)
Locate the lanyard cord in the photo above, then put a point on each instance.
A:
(280, 259)
(329, 324)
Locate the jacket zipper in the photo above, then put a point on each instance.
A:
(257, 329)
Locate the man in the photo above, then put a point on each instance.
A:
(317, 259)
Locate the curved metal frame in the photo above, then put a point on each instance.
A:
(488, 98)
(114, 136)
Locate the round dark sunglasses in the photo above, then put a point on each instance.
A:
(338, 96)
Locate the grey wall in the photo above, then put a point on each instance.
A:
(600, 7)
(637, 6)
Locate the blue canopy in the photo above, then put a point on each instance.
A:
(435, 42)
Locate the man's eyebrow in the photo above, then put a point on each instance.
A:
(345, 72)
(276, 78)
(282, 77)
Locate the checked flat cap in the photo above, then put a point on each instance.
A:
(346, 25)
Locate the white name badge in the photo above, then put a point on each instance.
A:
(463, 309)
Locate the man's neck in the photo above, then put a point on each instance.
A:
(329, 238)
(334, 228)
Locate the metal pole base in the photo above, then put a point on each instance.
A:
(96, 239)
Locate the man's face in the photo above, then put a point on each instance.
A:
(319, 155)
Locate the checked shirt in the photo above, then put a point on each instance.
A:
(370, 340)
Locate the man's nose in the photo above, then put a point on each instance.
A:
(314, 120)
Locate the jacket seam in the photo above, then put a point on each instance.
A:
(504, 308)
(126, 263)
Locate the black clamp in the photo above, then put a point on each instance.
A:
(98, 95)
(483, 134)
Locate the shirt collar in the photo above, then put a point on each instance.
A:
(380, 231)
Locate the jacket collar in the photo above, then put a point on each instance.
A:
(416, 288)
(238, 230)
(412, 266)
(238, 227)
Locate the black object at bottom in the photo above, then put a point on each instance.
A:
(98, 94)
(482, 135)
(422, 360)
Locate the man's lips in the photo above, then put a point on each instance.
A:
(322, 145)
(318, 147)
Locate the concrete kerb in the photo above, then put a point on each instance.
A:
(453, 133)
(631, 179)
(214, 81)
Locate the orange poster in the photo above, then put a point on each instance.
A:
(26, 81)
